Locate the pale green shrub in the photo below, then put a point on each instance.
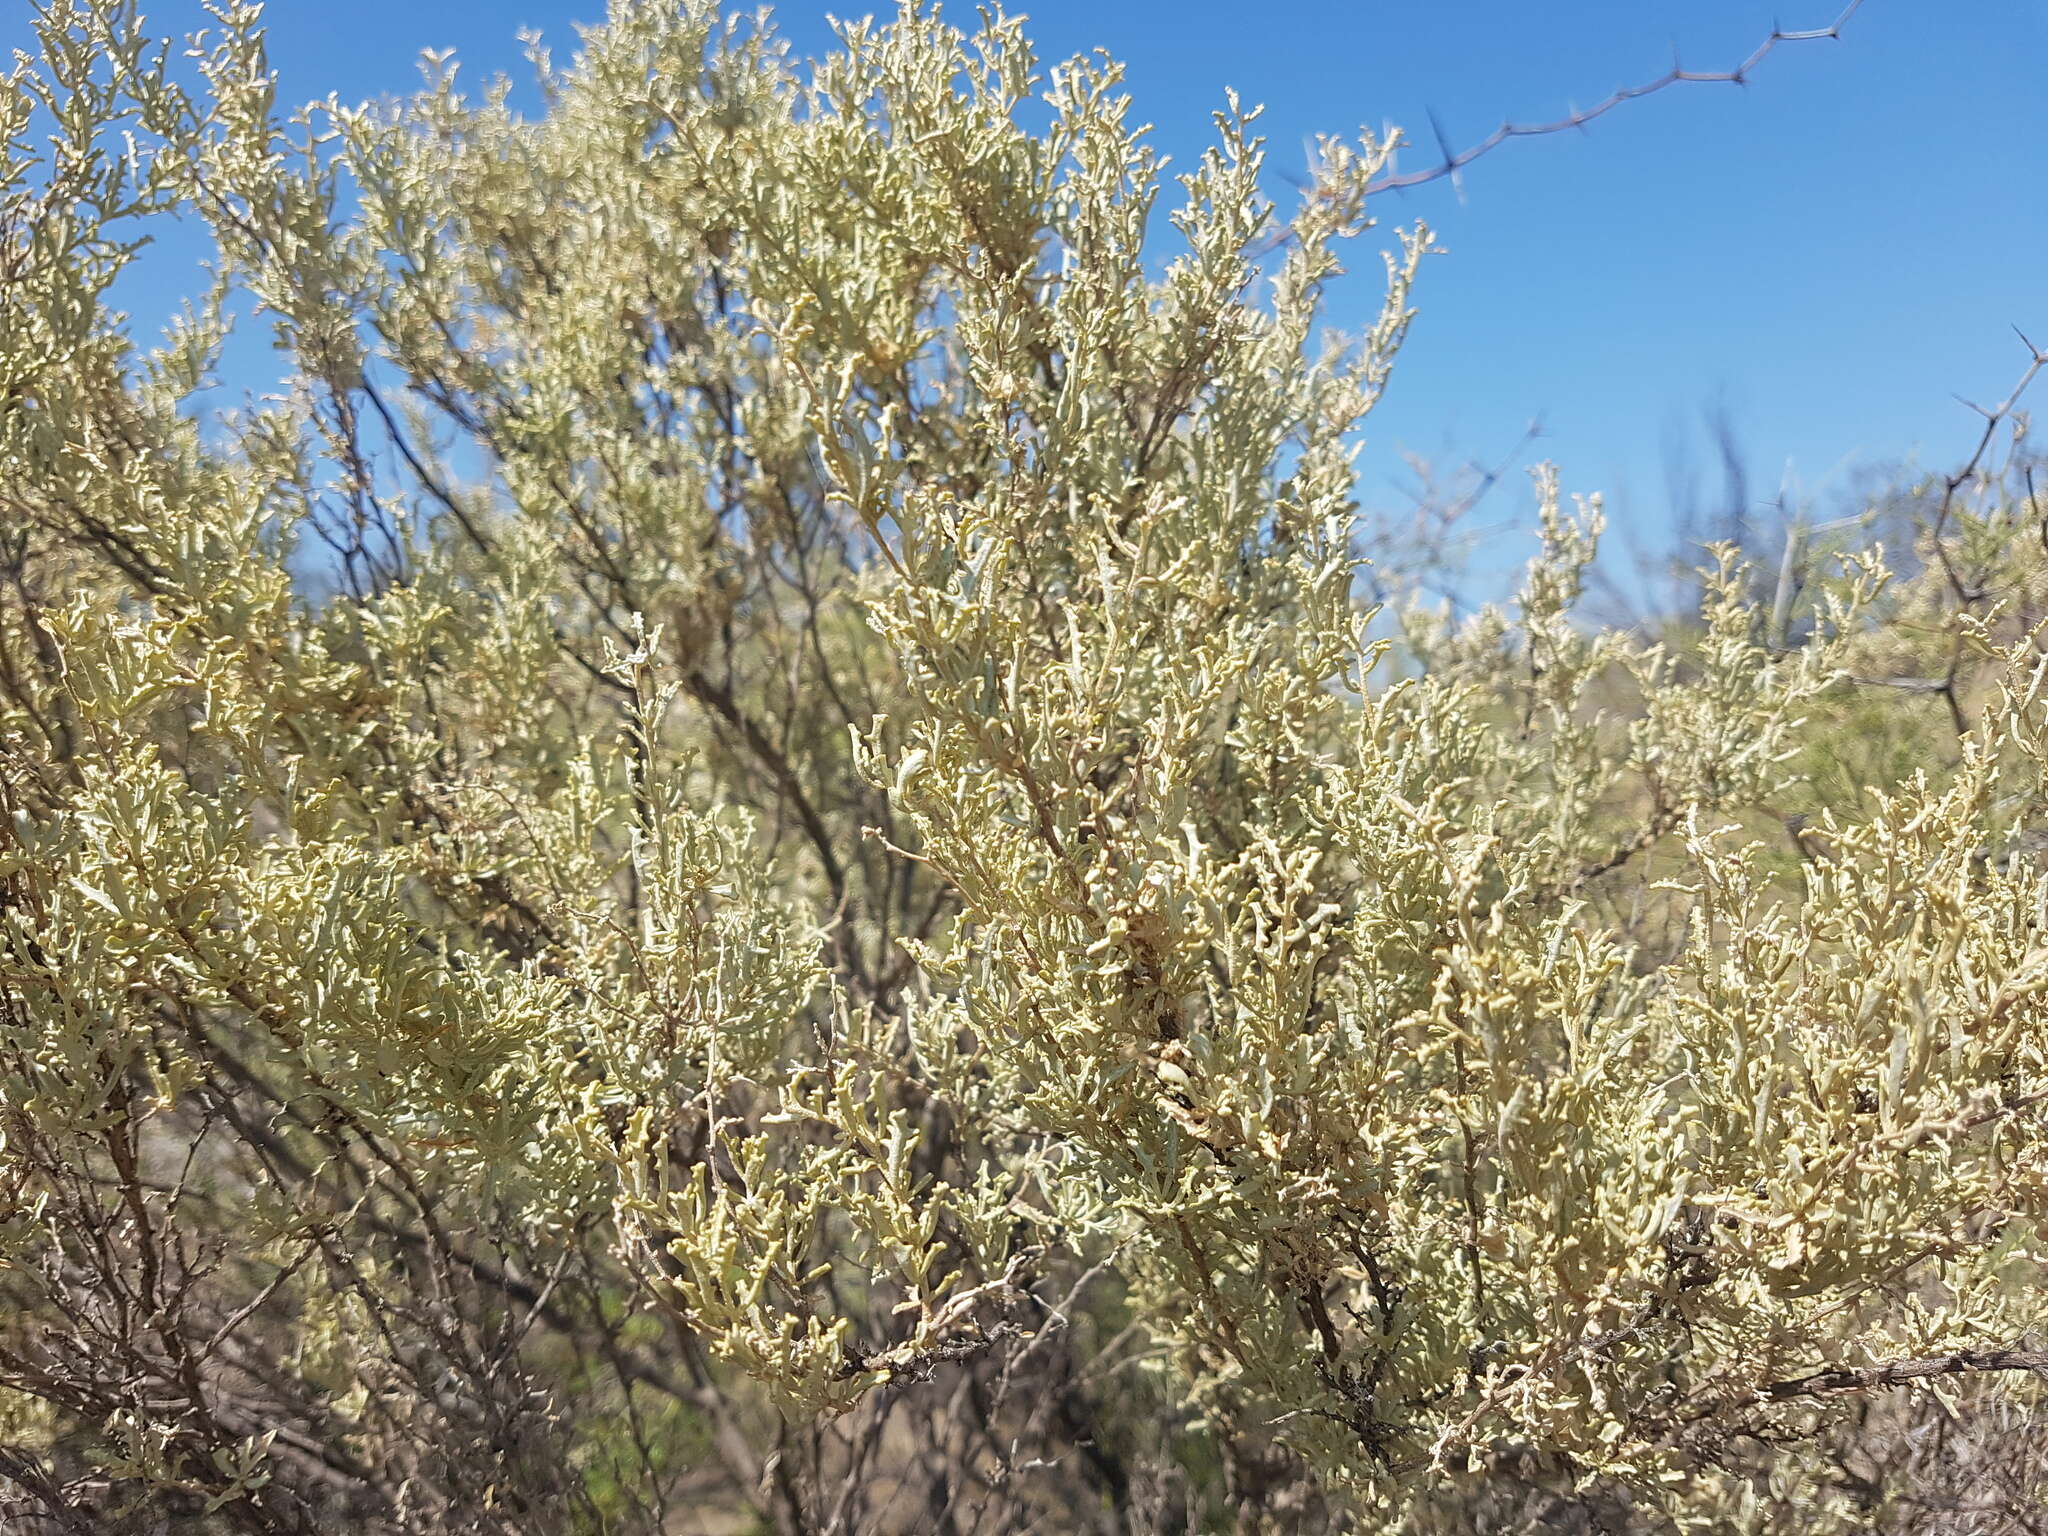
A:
(761, 801)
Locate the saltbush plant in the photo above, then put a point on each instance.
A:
(747, 854)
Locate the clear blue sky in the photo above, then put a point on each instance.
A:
(1833, 253)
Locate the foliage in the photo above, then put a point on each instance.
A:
(751, 852)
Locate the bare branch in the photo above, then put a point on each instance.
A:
(1452, 163)
(1898, 1373)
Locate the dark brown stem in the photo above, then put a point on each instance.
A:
(1897, 1373)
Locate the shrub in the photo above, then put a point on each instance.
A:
(750, 854)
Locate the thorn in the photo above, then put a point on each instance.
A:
(1450, 160)
(1436, 127)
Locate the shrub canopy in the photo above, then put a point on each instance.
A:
(751, 850)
